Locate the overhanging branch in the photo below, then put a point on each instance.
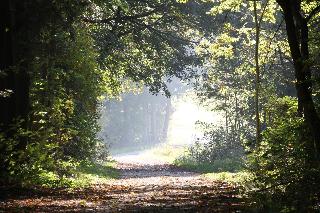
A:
(313, 13)
(121, 18)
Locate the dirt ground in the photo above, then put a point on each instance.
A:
(140, 188)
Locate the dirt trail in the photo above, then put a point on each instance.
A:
(167, 188)
(140, 188)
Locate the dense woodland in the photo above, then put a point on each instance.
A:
(255, 61)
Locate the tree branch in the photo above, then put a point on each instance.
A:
(313, 13)
(119, 17)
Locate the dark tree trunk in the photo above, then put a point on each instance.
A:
(257, 74)
(14, 77)
(13, 64)
(297, 32)
(7, 77)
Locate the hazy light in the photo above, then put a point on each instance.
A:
(182, 132)
(182, 127)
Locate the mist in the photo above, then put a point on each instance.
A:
(140, 125)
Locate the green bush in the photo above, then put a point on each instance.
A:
(218, 153)
(285, 177)
(228, 164)
(62, 127)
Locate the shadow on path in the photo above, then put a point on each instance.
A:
(140, 188)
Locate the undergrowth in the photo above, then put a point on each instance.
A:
(220, 165)
(80, 175)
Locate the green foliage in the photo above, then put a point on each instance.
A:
(71, 55)
(24, 165)
(283, 172)
(238, 178)
(65, 83)
(230, 83)
(64, 91)
(224, 165)
(103, 170)
(67, 113)
(150, 48)
(217, 153)
(75, 175)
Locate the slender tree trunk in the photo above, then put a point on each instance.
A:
(167, 115)
(296, 23)
(236, 121)
(226, 113)
(152, 124)
(257, 74)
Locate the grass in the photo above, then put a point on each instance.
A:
(229, 170)
(238, 178)
(82, 175)
(224, 165)
(91, 173)
(168, 152)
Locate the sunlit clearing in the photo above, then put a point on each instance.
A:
(183, 129)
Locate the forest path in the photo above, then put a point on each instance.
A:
(141, 187)
(167, 188)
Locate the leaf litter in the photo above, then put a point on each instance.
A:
(140, 188)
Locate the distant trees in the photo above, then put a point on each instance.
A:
(135, 121)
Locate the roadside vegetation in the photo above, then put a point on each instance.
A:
(73, 175)
(257, 63)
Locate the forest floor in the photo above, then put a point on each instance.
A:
(141, 187)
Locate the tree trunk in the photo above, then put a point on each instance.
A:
(14, 76)
(257, 74)
(296, 23)
(167, 115)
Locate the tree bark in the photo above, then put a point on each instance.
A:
(257, 73)
(14, 76)
(297, 33)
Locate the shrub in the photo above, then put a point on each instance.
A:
(284, 175)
